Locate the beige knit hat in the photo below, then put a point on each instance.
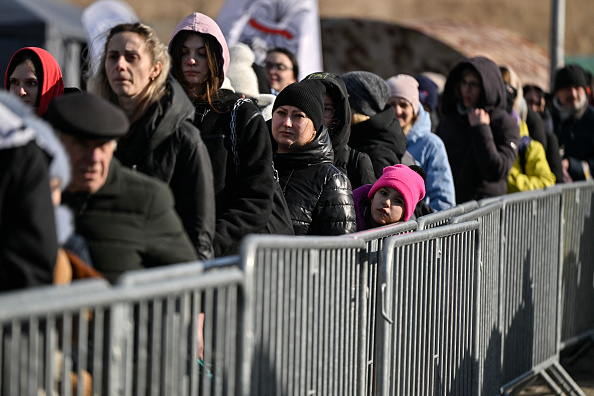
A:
(405, 87)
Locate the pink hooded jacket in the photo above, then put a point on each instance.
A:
(53, 85)
(203, 24)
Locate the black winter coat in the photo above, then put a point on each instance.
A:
(381, 137)
(165, 144)
(28, 242)
(130, 223)
(480, 156)
(576, 137)
(245, 186)
(353, 163)
(318, 195)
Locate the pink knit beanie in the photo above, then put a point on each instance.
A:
(404, 180)
(405, 87)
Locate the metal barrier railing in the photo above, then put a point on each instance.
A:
(45, 335)
(488, 332)
(478, 306)
(303, 320)
(429, 287)
(370, 259)
(138, 338)
(529, 281)
(577, 258)
(169, 349)
(443, 217)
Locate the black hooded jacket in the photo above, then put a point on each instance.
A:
(318, 195)
(245, 194)
(164, 144)
(382, 138)
(480, 156)
(355, 164)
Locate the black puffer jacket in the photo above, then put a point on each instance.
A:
(382, 138)
(165, 144)
(244, 194)
(318, 195)
(480, 156)
(355, 164)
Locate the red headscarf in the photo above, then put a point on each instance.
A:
(52, 87)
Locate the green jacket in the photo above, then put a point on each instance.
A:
(130, 223)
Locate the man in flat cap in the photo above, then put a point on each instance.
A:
(573, 121)
(128, 219)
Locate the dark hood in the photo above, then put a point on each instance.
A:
(162, 119)
(493, 96)
(315, 153)
(339, 133)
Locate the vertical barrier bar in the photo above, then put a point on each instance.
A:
(370, 260)
(429, 298)
(488, 352)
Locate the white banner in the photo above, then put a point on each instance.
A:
(265, 24)
(98, 18)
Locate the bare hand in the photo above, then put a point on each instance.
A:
(565, 165)
(478, 117)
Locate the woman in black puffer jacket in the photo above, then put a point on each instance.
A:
(318, 195)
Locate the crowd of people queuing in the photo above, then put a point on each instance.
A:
(176, 152)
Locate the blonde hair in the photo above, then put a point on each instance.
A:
(99, 83)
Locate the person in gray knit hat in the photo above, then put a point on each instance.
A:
(375, 129)
(368, 93)
(318, 195)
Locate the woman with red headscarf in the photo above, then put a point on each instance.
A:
(35, 77)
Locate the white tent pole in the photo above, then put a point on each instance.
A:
(557, 52)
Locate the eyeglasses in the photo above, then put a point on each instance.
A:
(470, 84)
(278, 66)
(328, 112)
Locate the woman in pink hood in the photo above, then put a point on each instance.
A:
(235, 134)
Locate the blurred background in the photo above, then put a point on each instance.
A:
(405, 36)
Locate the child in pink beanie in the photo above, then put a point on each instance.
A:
(392, 199)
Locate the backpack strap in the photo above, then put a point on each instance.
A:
(233, 136)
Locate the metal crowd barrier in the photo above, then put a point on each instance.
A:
(426, 336)
(475, 307)
(303, 323)
(370, 260)
(529, 281)
(443, 217)
(136, 338)
(51, 339)
(577, 255)
(160, 323)
(488, 332)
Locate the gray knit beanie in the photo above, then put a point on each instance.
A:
(368, 92)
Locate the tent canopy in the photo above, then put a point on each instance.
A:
(50, 24)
